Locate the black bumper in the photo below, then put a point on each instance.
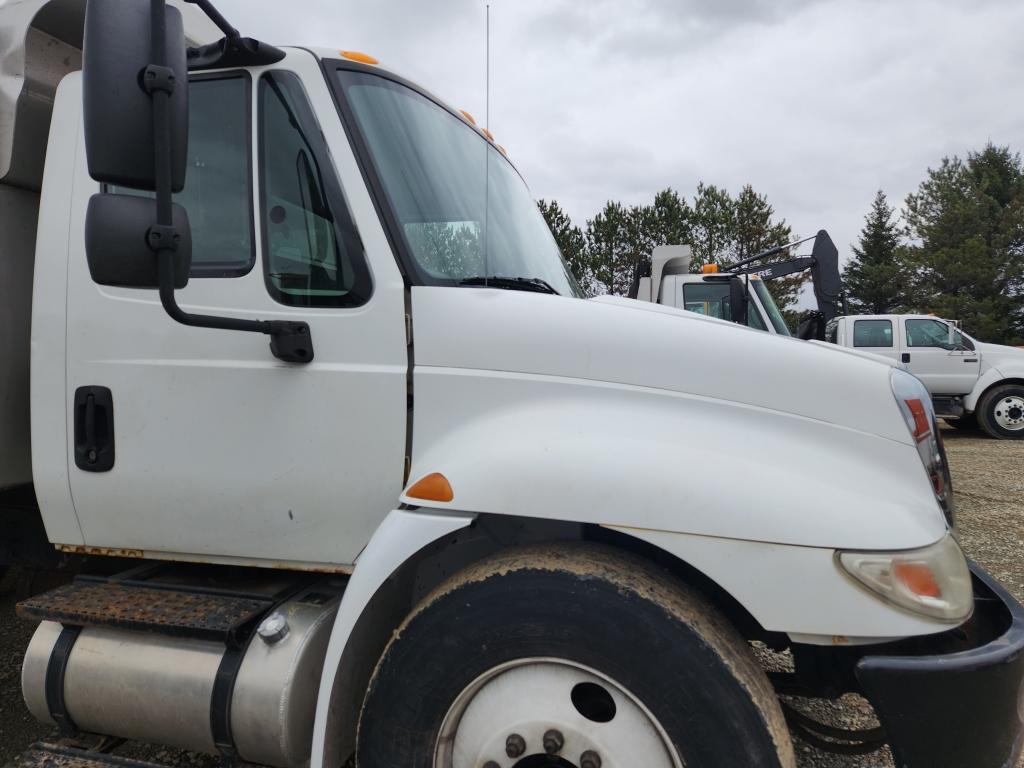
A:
(955, 700)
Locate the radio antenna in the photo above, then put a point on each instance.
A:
(487, 142)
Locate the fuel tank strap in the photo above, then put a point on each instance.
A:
(220, 704)
(56, 668)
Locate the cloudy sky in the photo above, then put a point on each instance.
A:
(816, 103)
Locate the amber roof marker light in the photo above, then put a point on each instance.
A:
(362, 58)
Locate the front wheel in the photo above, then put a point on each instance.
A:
(569, 657)
(1001, 412)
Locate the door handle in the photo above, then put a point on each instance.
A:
(905, 357)
(970, 359)
(94, 429)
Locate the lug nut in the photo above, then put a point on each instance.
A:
(515, 745)
(553, 742)
(590, 759)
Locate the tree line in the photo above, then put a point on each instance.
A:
(719, 227)
(956, 249)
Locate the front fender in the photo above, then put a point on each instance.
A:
(991, 377)
(402, 534)
(627, 456)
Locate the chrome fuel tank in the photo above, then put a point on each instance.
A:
(155, 688)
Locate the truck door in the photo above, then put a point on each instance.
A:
(875, 335)
(946, 369)
(218, 448)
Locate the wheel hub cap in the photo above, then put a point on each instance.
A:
(1009, 413)
(550, 713)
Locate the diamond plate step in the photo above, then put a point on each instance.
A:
(180, 612)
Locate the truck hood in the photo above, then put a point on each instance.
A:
(1008, 360)
(622, 341)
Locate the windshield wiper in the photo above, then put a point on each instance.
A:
(534, 284)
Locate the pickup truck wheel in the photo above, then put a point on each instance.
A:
(1001, 412)
(569, 657)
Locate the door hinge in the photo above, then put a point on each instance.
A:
(408, 330)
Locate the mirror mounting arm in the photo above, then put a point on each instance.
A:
(289, 340)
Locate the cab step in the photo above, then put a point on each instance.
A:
(159, 602)
(43, 755)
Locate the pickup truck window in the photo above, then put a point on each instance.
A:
(313, 255)
(929, 333)
(218, 187)
(872, 333)
(455, 204)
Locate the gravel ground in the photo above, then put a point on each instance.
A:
(988, 478)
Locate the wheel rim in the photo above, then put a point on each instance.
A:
(550, 713)
(1009, 413)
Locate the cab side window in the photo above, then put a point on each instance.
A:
(312, 254)
(872, 333)
(707, 299)
(927, 333)
(218, 188)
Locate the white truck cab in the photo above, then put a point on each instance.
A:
(738, 292)
(357, 472)
(710, 293)
(971, 382)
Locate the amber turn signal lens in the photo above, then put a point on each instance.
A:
(433, 487)
(362, 58)
(918, 578)
(922, 427)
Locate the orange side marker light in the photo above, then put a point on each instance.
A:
(433, 487)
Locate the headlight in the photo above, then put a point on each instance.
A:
(933, 581)
(916, 406)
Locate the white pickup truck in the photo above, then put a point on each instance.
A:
(453, 515)
(971, 383)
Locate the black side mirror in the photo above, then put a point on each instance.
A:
(117, 232)
(116, 83)
(135, 90)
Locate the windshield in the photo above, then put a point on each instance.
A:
(774, 315)
(462, 210)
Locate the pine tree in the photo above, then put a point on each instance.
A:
(714, 222)
(967, 220)
(726, 229)
(876, 279)
(756, 231)
(611, 248)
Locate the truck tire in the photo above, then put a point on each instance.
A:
(1001, 412)
(569, 656)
